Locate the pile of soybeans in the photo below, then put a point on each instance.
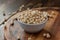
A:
(33, 16)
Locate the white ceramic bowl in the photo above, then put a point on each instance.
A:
(33, 28)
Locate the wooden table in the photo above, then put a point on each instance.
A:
(15, 32)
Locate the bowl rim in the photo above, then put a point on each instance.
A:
(34, 24)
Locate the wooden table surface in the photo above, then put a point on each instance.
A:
(56, 28)
(54, 31)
